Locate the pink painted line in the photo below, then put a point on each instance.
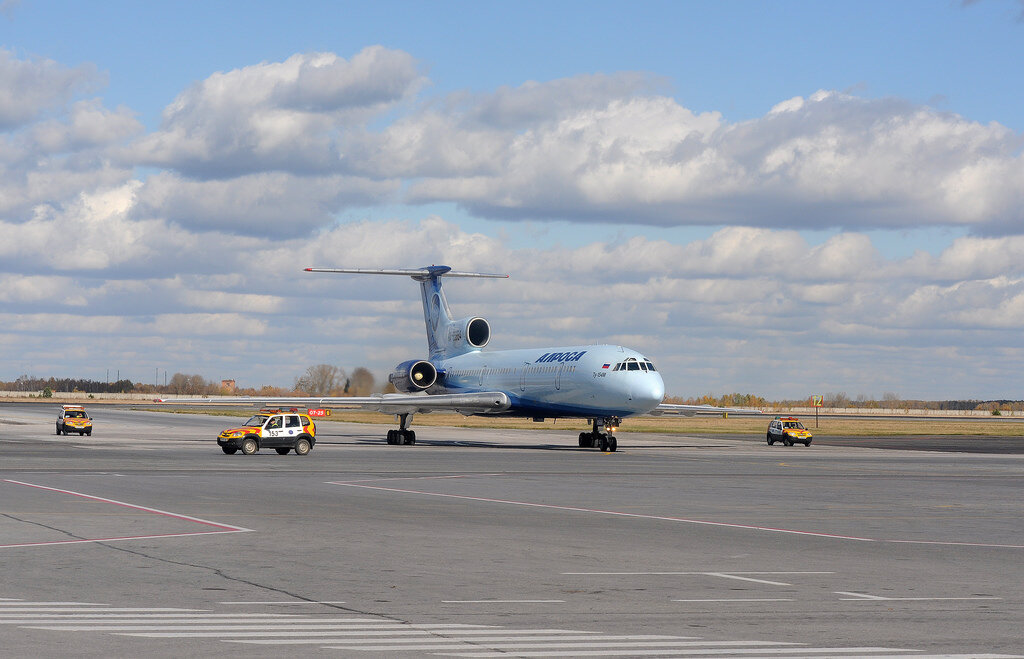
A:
(127, 537)
(222, 528)
(681, 520)
(604, 512)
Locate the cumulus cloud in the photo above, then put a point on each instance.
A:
(31, 87)
(830, 160)
(277, 115)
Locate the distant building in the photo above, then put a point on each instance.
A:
(228, 386)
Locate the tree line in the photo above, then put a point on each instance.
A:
(318, 380)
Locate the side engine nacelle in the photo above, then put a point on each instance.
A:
(468, 333)
(413, 376)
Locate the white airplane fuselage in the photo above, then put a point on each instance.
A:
(574, 381)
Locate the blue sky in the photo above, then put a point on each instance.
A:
(682, 145)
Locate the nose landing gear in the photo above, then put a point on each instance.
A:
(601, 436)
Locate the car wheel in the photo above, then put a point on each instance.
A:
(807, 443)
(282, 451)
(88, 432)
(58, 430)
(302, 447)
(787, 442)
(249, 446)
(771, 442)
(230, 450)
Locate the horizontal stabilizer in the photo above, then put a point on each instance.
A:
(415, 273)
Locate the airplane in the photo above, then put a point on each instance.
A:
(601, 383)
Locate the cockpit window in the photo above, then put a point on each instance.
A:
(632, 365)
(650, 367)
(618, 367)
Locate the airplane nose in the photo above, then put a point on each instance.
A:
(651, 391)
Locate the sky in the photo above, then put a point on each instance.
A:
(781, 198)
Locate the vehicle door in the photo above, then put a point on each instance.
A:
(274, 432)
(292, 429)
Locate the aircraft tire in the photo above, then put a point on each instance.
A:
(613, 443)
(584, 440)
(602, 443)
(410, 437)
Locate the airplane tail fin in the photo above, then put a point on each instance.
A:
(446, 336)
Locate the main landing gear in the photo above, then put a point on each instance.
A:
(403, 435)
(601, 436)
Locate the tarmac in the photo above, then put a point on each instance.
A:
(146, 540)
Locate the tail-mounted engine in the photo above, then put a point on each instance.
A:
(413, 375)
(468, 334)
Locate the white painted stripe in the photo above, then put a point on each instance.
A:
(751, 599)
(121, 617)
(735, 576)
(75, 609)
(477, 639)
(859, 595)
(920, 656)
(271, 626)
(561, 646)
(290, 602)
(701, 651)
(503, 601)
(684, 573)
(401, 632)
(221, 622)
(916, 599)
(597, 511)
(4, 605)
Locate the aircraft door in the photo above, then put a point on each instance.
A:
(558, 375)
(522, 376)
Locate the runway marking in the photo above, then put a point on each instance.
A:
(285, 626)
(402, 643)
(440, 645)
(289, 602)
(5, 604)
(222, 528)
(405, 630)
(864, 597)
(503, 601)
(751, 599)
(680, 652)
(548, 506)
(664, 518)
(381, 635)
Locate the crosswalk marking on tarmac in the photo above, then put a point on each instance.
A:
(381, 635)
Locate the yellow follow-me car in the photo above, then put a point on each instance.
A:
(72, 418)
(281, 430)
(789, 431)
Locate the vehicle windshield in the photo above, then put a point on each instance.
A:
(257, 420)
(76, 414)
(793, 424)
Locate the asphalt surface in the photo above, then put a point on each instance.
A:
(146, 540)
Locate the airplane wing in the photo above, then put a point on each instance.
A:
(476, 403)
(703, 410)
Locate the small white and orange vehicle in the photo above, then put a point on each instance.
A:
(282, 430)
(73, 418)
(789, 431)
